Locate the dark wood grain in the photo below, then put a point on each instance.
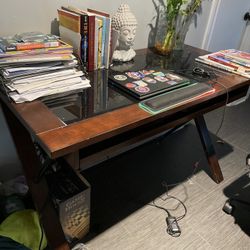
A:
(38, 188)
(61, 141)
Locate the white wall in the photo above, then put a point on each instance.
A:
(18, 16)
(28, 15)
(226, 26)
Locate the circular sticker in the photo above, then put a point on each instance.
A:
(134, 75)
(142, 89)
(130, 85)
(120, 77)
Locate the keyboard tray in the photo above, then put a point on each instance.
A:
(175, 98)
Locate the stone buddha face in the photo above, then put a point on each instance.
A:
(124, 26)
(124, 22)
(127, 36)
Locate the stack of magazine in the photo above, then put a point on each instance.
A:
(231, 60)
(34, 65)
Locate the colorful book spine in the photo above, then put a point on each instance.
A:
(104, 29)
(107, 43)
(91, 43)
(220, 59)
(84, 42)
(106, 38)
(237, 56)
(96, 42)
(99, 51)
(205, 60)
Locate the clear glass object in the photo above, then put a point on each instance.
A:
(171, 27)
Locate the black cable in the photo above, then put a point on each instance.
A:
(207, 74)
(172, 225)
(224, 109)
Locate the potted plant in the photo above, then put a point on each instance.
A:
(172, 23)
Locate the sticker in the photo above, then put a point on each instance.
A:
(140, 83)
(142, 89)
(171, 82)
(135, 75)
(120, 77)
(173, 77)
(130, 85)
(146, 72)
(159, 73)
(149, 80)
(161, 78)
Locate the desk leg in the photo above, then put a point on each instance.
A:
(209, 149)
(39, 190)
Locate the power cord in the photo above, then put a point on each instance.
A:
(226, 102)
(173, 228)
(212, 77)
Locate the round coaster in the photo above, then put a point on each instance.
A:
(120, 77)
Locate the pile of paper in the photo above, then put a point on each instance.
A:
(34, 73)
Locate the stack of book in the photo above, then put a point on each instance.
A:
(88, 31)
(34, 65)
(231, 60)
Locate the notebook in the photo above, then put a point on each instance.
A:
(148, 82)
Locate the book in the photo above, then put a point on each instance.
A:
(63, 48)
(70, 29)
(148, 82)
(107, 39)
(83, 31)
(35, 58)
(237, 56)
(22, 41)
(88, 24)
(91, 44)
(204, 59)
(220, 58)
(99, 50)
(69, 20)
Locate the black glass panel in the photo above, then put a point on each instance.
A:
(103, 97)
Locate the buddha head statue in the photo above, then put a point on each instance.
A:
(124, 24)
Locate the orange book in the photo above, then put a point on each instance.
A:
(37, 45)
(70, 20)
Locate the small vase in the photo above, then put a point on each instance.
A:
(170, 34)
(165, 37)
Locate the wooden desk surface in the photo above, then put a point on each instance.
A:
(59, 139)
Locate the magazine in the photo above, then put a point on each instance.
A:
(231, 60)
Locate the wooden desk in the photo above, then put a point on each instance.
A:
(113, 129)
